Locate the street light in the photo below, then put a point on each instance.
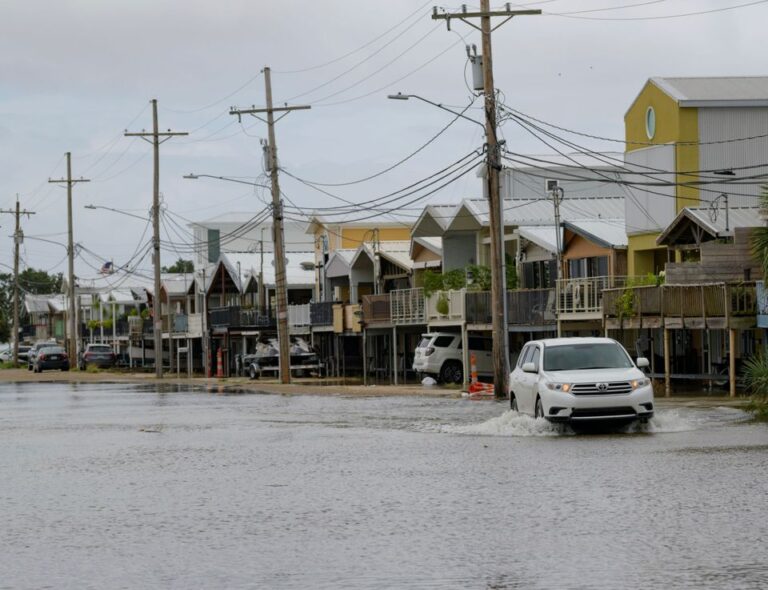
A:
(192, 176)
(401, 96)
(116, 211)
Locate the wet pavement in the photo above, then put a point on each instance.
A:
(128, 486)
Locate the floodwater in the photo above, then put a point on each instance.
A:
(120, 486)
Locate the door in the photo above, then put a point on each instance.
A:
(526, 401)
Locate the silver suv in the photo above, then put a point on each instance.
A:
(440, 355)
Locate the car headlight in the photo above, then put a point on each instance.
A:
(566, 387)
(640, 382)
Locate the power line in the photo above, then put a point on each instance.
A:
(368, 44)
(658, 17)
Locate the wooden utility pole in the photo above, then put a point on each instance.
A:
(500, 328)
(153, 137)
(18, 238)
(281, 288)
(73, 331)
(558, 194)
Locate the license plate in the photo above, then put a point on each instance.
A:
(54, 357)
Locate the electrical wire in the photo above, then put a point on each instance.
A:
(658, 17)
(399, 162)
(368, 44)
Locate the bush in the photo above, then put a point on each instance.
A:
(756, 379)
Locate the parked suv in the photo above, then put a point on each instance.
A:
(99, 355)
(580, 380)
(440, 355)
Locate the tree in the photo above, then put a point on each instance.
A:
(180, 266)
(37, 282)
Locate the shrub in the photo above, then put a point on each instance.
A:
(756, 379)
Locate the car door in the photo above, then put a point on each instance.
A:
(517, 376)
(528, 381)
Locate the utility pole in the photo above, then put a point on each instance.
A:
(558, 194)
(277, 222)
(495, 203)
(153, 137)
(18, 238)
(73, 331)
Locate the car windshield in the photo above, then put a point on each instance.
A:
(574, 357)
(103, 348)
(54, 350)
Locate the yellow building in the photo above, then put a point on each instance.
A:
(680, 133)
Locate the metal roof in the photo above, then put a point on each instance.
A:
(36, 303)
(609, 233)
(251, 263)
(341, 258)
(543, 236)
(541, 211)
(716, 91)
(711, 221)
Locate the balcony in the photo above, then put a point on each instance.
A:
(715, 306)
(582, 298)
(189, 324)
(401, 307)
(346, 318)
(233, 316)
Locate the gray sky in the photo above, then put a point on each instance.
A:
(75, 73)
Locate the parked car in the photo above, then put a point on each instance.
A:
(7, 353)
(440, 355)
(99, 355)
(51, 357)
(35, 350)
(580, 380)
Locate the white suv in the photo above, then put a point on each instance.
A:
(580, 380)
(440, 355)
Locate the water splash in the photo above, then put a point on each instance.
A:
(510, 423)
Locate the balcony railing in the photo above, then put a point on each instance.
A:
(407, 306)
(445, 306)
(478, 307)
(531, 307)
(346, 318)
(321, 314)
(299, 316)
(377, 309)
(717, 300)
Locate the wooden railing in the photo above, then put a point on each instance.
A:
(717, 300)
(377, 309)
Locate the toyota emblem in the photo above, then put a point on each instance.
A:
(602, 386)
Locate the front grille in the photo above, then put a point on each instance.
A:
(598, 412)
(602, 388)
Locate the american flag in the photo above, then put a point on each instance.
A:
(106, 268)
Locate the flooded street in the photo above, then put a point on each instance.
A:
(122, 486)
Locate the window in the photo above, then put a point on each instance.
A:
(594, 266)
(523, 354)
(650, 122)
(478, 343)
(443, 341)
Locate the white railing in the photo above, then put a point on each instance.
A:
(195, 325)
(585, 295)
(446, 305)
(407, 306)
(299, 316)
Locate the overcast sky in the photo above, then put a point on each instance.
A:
(74, 74)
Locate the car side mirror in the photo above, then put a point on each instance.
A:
(642, 362)
(529, 368)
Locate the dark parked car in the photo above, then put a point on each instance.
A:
(51, 357)
(98, 355)
(35, 350)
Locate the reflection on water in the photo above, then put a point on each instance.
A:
(115, 486)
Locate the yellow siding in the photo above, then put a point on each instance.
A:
(673, 125)
(352, 237)
(641, 253)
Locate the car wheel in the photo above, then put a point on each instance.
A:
(512, 402)
(252, 373)
(451, 372)
(539, 411)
